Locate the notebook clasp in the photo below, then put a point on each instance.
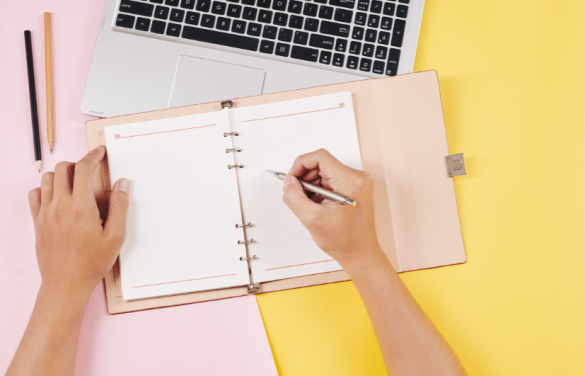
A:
(253, 288)
(455, 165)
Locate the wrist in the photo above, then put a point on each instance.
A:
(68, 297)
(365, 262)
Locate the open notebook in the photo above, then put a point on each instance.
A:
(197, 179)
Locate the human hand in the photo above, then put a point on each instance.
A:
(74, 250)
(342, 231)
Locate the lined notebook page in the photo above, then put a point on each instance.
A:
(271, 137)
(184, 206)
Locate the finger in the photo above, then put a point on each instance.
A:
(34, 201)
(310, 175)
(296, 199)
(320, 160)
(115, 228)
(64, 179)
(47, 189)
(83, 175)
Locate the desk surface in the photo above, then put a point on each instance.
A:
(513, 84)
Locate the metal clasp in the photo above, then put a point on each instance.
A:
(455, 165)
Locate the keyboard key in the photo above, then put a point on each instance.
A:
(192, 18)
(343, 15)
(249, 2)
(282, 49)
(223, 23)
(188, 4)
(269, 32)
(223, 39)
(338, 60)
(296, 22)
(389, 9)
(371, 35)
(285, 35)
(279, 5)
(254, 29)
(352, 62)
(265, 16)
(321, 41)
(402, 11)
(143, 24)
(368, 50)
(174, 30)
(125, 20)
(373, 20)
(267, 46)
(340, 45)
(398, 34)
(384, 38)
(137, 8)
(376, 7)
(295, 7)
(304, 53)
(336, 29)
(177, 15)
(386, 23)
(393, 58)
(301, 37)
(365, 65)
(381, 52)
(358, 33)
(404, 1)
(234, 10)
(173, 3)
(363, 4)
(264, 4)
(239, 26)
(250, 14)
(310, 9)
(321, 1)
(325, 12)
(378, 67)
(280, 19)
(161, 12)
(156, 1)
(355, 48)
(158, 27)
(311, 24)
(218, 8)
(203, 5)
(325, 57)
(234, 1)
(349, 4)
(360, 18)
(207, 20)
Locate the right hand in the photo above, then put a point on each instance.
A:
(342, 231)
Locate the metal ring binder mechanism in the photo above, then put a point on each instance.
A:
(253, 288)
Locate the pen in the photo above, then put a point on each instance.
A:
(319, 191)
(33, 98)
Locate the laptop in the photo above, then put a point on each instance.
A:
(156, 54)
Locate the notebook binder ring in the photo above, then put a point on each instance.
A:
(247, 241)
(233, 150)
(225, 134)
(235, 166)
(248, 258)
(227, 104)
(249, 224)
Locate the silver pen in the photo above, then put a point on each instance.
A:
(319, 191)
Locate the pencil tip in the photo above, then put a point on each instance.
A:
(38, 165)
(51, 151)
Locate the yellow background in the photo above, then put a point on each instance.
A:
(512, 76)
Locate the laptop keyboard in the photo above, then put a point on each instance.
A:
(355, 35)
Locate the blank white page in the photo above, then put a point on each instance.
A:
(184, 206)
(271, 137)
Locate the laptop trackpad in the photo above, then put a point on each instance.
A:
(200, 81)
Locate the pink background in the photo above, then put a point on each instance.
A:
(216, 338)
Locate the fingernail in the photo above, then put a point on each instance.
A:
(124, 185)
(286, 180)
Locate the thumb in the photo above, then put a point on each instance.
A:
(115, 227)
(296, 199)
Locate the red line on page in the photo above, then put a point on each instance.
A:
(341, 105)
(117, 136)
(186, 280)
(290, 266)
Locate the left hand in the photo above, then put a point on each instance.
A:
(74, 249)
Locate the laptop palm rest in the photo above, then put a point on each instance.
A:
(200, 81)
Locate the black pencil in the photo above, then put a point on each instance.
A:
(33, 98)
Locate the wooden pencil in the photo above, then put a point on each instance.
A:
(49, 77)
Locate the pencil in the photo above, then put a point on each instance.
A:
(49, 77)
(33, 97)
